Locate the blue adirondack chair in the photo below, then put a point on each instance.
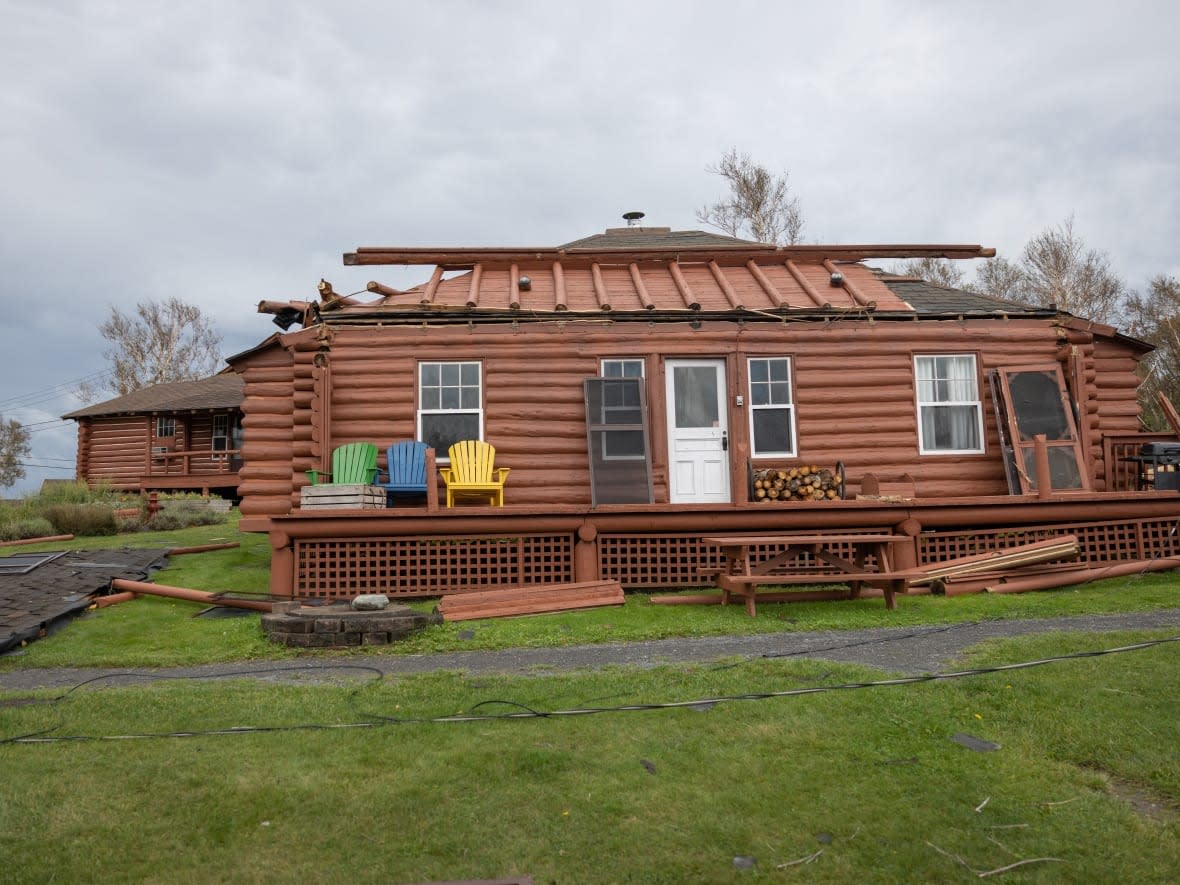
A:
(406, 470)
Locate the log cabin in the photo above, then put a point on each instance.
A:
(642, 383)
(178, 436)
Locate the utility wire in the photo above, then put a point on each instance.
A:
(521, 711)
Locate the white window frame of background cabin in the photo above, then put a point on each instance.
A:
(160, 425)
(789, 405)
(222, 434)
(976, 402)
(444, 457)
(620, 368)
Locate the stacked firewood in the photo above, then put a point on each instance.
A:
(807, 482)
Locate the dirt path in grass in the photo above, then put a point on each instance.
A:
(906, 650)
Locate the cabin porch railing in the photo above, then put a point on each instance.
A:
(194, 462)
(1123, 475)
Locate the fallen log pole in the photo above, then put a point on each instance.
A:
(1084, 576)
(46, 540)
(204, 548)
(201, 596)
(115, 599)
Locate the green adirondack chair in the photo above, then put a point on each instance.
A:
(353, 464)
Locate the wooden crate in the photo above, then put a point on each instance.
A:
(342, 497)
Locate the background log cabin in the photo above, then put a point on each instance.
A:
(180, 436)
(816, 358)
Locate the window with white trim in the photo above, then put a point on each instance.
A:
(450, 405)
(165, 425)
(622, 404)
(622, 368)
(220, 433)
(950, 414)
(772, 407)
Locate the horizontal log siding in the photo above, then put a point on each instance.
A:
(266, 483)
(116, 450)
(853, 384)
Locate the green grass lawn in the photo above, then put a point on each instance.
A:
(163, 632)
(866, 784)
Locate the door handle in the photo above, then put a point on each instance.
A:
(725, 440)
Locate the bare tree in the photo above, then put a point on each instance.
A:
(759, 206)
(1056, 268)
(1155, 317)
(14, 448)
(999, 278)
(939, 271)
(159, 342)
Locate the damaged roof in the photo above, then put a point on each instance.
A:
(637, 271)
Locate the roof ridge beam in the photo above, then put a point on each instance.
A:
(463, 258)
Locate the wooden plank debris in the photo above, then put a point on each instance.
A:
(529, 600)
(1063, 547)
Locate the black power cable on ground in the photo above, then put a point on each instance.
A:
(521, 711)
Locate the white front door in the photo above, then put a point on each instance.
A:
(698, 437)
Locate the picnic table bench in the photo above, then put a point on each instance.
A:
(743, 577)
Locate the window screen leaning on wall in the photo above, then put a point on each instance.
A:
(450, 404)
(950, 416)
(772, 409)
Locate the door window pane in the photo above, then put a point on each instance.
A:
(696, 396)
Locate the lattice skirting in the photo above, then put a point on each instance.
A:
(408, 567)
(1100, 542)
(343, 568)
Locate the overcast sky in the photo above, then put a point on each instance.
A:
(228, 151)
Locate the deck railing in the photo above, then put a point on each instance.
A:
(1122, 475)
(195, 462)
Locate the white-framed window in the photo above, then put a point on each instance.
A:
(165, 425)
(950, 414)
(622, 404)
(622, 368)
(450, 404)
(772, 407)
(220, 433)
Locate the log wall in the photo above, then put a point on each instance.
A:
(114, 449)
(854, 395)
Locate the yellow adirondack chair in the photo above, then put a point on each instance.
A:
(472, 473)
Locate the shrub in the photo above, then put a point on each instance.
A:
(33, 527)
(82, 519)
(181, 518)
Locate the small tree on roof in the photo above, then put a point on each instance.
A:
(759, 206)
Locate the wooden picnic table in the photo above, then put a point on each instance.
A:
(743, 577)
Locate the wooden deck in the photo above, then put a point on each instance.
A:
(414, 552)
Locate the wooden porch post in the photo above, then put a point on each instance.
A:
(282, 565)
(321, 410)
(586, 562)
